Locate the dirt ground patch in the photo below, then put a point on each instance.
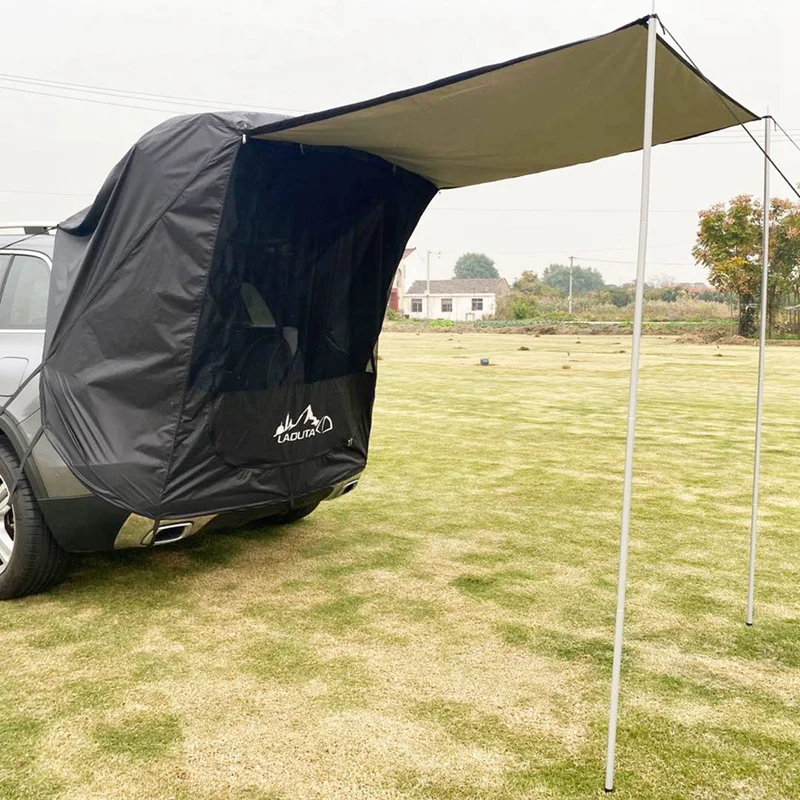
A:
(701, 337)
(736, 340)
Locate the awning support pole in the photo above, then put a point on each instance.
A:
(762, 347)
(647, 146)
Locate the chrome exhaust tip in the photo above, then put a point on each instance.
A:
(172, 532)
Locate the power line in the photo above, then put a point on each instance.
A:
(47, 194)
(734, 138)
(164, 110)
(503, 210)
(649, 263)
(723, 137)
(567, 210)
(744, 141)
(91, 100)
(579, 256)
(105, 90)
(787, 135)
(729, 133)
(556, 252)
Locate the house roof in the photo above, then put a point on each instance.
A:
(407, 252)
(498, 286)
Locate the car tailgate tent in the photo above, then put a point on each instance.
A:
(214, 313)
(213, 318)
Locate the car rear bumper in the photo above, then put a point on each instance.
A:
(88, 524)
(83, 524)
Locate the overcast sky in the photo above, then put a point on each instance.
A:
(307, 55)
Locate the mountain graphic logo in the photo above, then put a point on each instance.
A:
(306, 425)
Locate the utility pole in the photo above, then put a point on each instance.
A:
(428, 286)
(569, 302)
(428, 281)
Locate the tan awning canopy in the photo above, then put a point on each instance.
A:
(565, 106)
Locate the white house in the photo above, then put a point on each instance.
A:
(458, 299)
(410, 261)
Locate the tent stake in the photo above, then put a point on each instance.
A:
(762, 342)
(647, 146)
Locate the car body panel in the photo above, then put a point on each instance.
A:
(12, 370)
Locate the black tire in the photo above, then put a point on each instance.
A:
(288, 517)
(36, 562)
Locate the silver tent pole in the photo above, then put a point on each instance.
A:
(762, 347)
(647, 146)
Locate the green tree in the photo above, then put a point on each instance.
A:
(584, 279)
(729, 245)
(475, 265)
(620, 296)
(713, 296)
(669, 294)
(529, 284)
(517, 306)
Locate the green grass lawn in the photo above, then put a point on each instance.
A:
(445, 631)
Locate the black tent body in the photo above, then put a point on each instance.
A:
(214, 317)
(214, 313)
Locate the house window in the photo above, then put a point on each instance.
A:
(416, 306)
(447, 305)
(477, 304)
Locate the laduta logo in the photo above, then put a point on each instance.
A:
(304, 427)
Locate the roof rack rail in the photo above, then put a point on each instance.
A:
(28, 227)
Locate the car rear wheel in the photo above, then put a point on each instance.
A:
(30, 559)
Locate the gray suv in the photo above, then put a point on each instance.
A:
(52, 513)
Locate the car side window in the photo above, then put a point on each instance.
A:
(23, 304)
